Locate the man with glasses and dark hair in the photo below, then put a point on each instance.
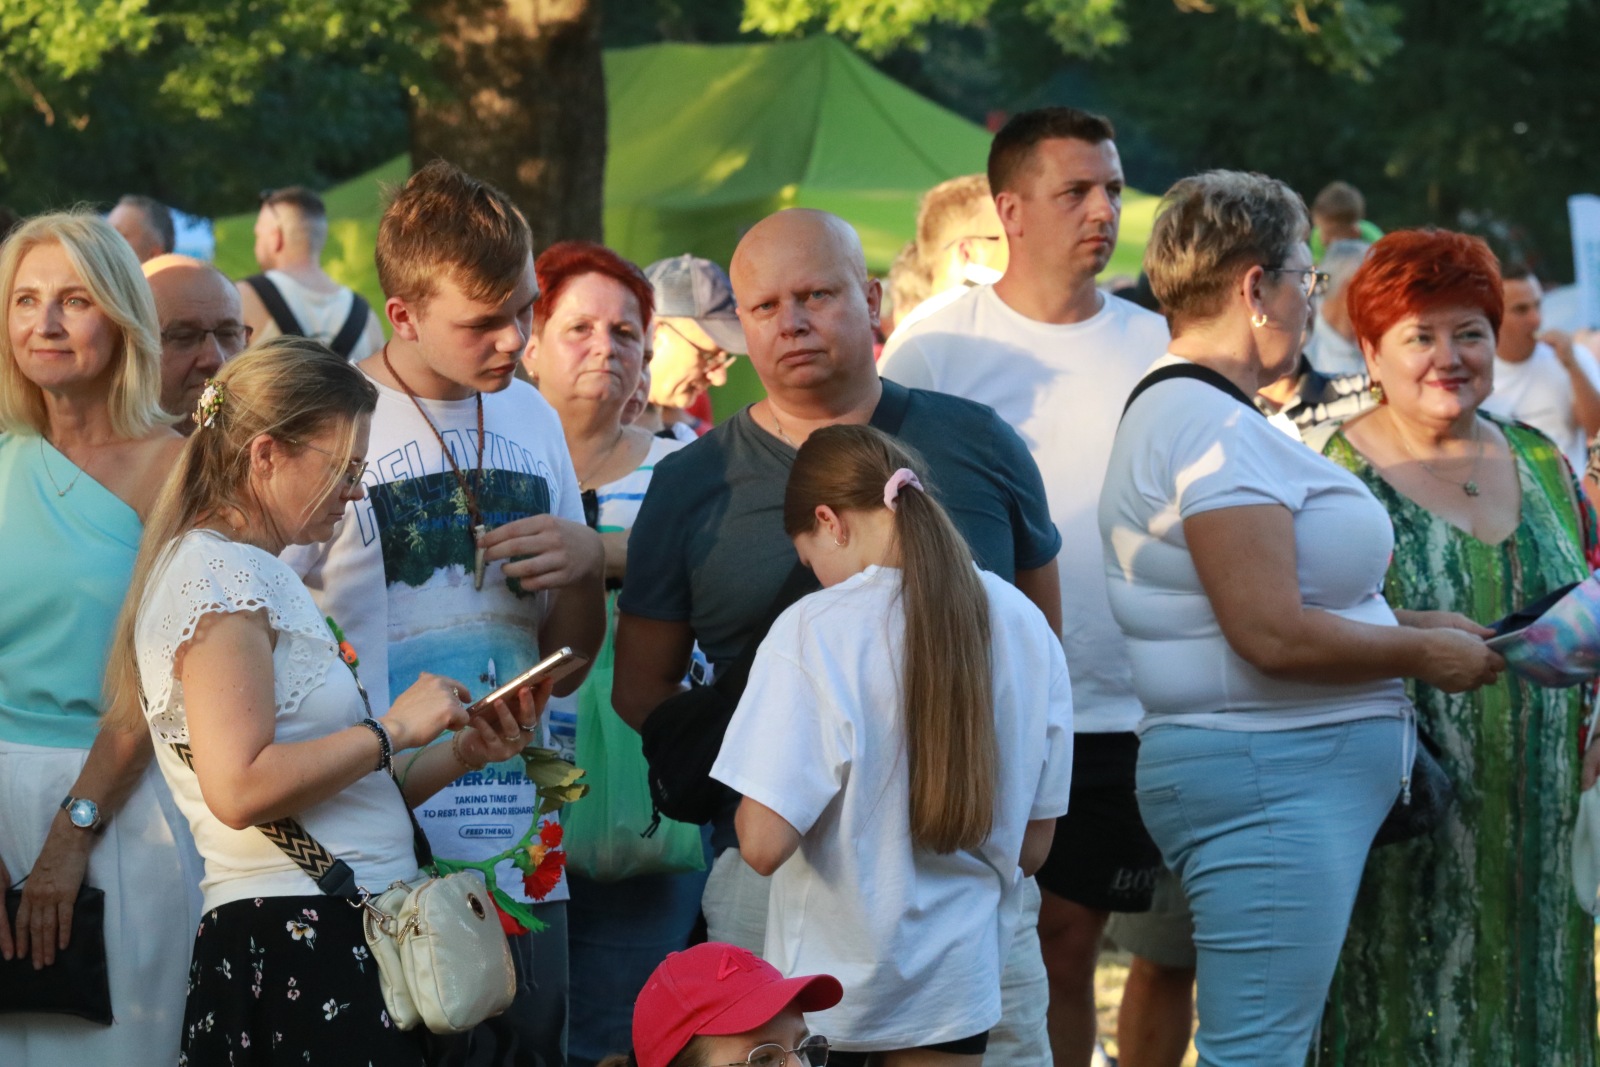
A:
(202, 327)
(960, 243)
(696, 339)
(293, 294)
(1056, 359)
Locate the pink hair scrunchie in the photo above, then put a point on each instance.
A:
(897, 481)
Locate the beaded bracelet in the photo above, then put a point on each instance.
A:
(385, 748)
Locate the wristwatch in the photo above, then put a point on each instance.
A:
(84, 813)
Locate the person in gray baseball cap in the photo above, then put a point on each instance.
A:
(697, 335)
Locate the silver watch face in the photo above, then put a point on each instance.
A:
(83, 813)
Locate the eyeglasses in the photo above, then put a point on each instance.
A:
(1312, 282)
(353, 476)
(715, 359)
(813, 1052)
(230, 336)
(969, 237)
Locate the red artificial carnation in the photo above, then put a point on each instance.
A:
(550, 834)
(539, 882)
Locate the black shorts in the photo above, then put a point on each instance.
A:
(1102, 857)
(975, 1045)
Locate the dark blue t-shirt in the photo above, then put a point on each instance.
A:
(709, 548)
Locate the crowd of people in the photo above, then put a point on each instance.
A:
(1017, 614)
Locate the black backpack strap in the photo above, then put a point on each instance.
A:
(1189, 370)
(730, 681)
(889, 414)
(276, 306)
(353, 327)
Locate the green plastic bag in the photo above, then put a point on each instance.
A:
(605, 834)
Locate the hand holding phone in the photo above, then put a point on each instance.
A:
(554, 667)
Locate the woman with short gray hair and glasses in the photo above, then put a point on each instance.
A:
(1247, 574)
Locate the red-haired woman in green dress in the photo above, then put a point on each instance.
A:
(1467, 946)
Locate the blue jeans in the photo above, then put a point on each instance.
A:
(618, 933)
(1269, 833)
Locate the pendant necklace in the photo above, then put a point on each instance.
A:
(773, 412)
(1470, 486)
(468, 493)
(60, 492)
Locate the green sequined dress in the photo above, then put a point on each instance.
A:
(1467, 947)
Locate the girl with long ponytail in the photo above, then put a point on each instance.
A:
(904, 747)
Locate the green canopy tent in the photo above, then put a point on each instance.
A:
(707, 139)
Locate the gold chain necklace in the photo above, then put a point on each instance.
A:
(772, 411)
(469, 494)
(43, 462)
(1470, 486)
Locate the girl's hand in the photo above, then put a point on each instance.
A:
(498, 733)
(431, 706)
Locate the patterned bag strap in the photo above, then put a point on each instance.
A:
(332, 875)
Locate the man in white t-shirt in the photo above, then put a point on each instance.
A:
(457, 445)
(960, 243)
(1540, 376)
(1056, 358)
(293, 294)
(1332, 349)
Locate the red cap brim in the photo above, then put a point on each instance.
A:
(760, 1006)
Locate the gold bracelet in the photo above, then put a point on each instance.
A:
(455, 749)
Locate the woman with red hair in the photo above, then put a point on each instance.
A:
(587, 355)
(1466, 945)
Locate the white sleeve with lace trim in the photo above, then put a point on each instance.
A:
(204, 573)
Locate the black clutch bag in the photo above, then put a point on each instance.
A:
(1432, 797)
(77, 982)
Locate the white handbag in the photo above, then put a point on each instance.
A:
(441, 955)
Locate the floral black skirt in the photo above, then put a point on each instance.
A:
(288, 980)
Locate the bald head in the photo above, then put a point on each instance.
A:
(799, 229)
(807, 306)
(202, 326)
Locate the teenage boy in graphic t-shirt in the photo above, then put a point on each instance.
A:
(1056, 359)
(458, 444)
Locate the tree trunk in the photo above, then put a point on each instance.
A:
(520, 102)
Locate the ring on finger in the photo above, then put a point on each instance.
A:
(527, 729)
(511, 737)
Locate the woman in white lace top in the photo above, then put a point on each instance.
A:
(253, 701)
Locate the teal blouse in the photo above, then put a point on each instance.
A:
(65, 563)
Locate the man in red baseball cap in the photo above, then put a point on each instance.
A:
(716, 1004)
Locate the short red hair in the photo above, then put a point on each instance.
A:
(1412, 271)
(563, 262)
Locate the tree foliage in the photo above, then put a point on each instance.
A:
(1349, 36)
(200, 102)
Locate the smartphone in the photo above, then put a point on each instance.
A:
(556, 665)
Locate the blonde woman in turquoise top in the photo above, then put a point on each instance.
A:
(84, 450)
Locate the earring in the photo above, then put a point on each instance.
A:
(1377, 393)
(840, 542)
(1258, 320)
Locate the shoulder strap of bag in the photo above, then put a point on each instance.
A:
(275, 304)
(888, 415)
(731, 680)
(354, 326)
(332, 875)
(1188, 370)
